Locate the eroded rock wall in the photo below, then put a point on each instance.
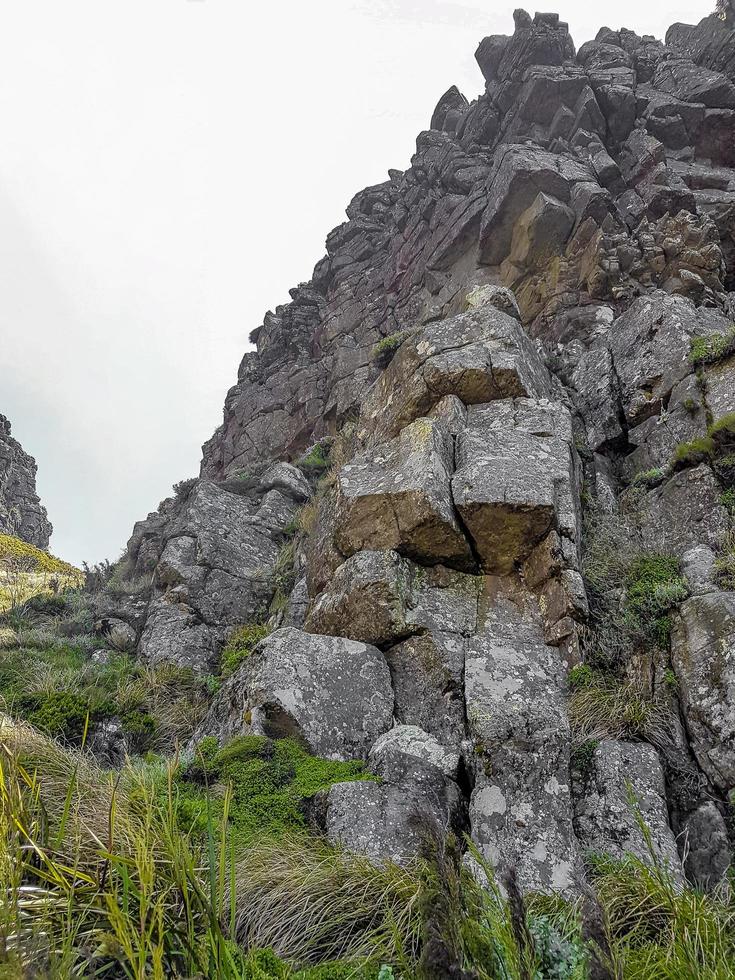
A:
(543, 275)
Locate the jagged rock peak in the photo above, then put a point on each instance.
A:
(21, 512)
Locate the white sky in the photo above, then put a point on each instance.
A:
(168, 169)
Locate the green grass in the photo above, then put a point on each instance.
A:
(99, 877)
(709, 350)
(270, 782)
(648, 478)
(606, 707)
(241, 645)
(316, 461)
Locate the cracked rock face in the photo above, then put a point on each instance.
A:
(21, 513)
(497, 347)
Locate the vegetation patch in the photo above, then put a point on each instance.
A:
(606, 707)
(724, 566)
(709, 350)
(649, 478)
(270, 782)
(316, 461)
(240, 645)
(384, 351)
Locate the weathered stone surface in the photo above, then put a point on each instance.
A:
(650, 345)
(332, 693)
(427, 672)
(515, 478)
(478, 356)
(623, 784)
(657, 438)
(378, 597)
(707, 848)
(521, 808)
(21, 513)
(703, 657)
(719, 386)
(397, 496)
(385, 820)
(685, 511)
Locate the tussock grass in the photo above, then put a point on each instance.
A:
(607, 708)
(310, 902)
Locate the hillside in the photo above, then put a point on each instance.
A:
(431, 672)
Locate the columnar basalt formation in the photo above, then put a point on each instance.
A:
(553, 278)
(21, 513)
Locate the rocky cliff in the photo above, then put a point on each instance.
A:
(477, 478)
(21, 513)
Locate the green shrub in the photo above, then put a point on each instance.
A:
(271, 781)
(716, 347)
(583, 755)
(654, 586)
(693, 453)
(60, 714)
(384, 351)
(581, 675)
(648, 478)
(727, 499)
(240, 645)
(316, 461)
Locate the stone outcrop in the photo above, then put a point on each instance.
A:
(496, 353)
(21, 512)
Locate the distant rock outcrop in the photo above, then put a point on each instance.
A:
(21, 513)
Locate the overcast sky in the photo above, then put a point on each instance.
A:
(168, 170)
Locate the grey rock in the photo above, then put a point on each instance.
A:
(703, 657)
(332, 693)
(515, 479)
(650, 345)
(707, 847)
(477, 356)
(622, 786)
(21, 513)
(397, 496)
(521, 807)
(685, 511)
(378, 597)
(698, 568)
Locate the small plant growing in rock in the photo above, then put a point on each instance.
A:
(240, 645)
(384, 351)
(693, 453)
(716, 347)
(316, 461)
(727, 499)
(583, 756)
(649, 478)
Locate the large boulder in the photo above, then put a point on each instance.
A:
(619, 788)
(21, 513)
(703, 657)
(650, 345)
(515, 479)
(397, 496)
(333, 694)
(685, 511)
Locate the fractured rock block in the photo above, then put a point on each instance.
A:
(607, 815)
(379, 597)
(331, 693)
(385, 820)
(650, 345)
(703, 658)
(397, 496)
(477, 356)
(515, 479)
(683, 512)
(521, 807)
